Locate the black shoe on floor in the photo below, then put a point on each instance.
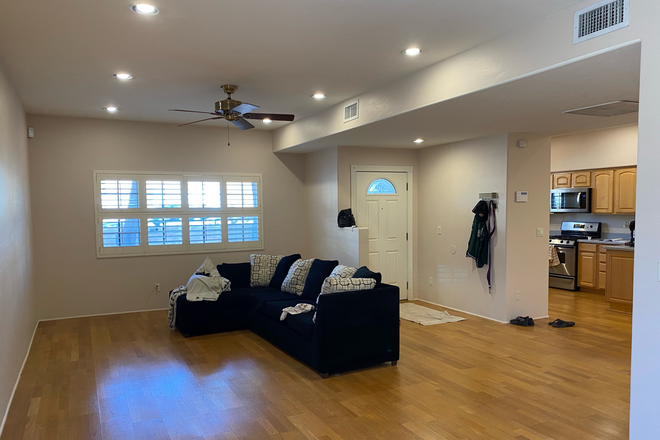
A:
(523, 321)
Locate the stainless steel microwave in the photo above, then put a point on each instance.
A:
(570, 200)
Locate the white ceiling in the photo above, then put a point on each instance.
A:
(529, 105)
(60, 55)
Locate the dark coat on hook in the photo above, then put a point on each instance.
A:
(479, 239)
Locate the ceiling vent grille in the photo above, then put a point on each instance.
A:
(351, 111)
(615, 108)
(599, 19)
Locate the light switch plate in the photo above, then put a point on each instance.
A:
(539, 232)
(439, 230)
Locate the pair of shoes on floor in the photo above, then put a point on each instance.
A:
(525, 321)
(558, 323)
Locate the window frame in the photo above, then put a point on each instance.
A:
(185, 213)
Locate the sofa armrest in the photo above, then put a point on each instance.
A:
(357, 328)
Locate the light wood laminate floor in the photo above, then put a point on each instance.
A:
(129, 377)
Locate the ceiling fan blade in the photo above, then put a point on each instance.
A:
(245, 108)
(271, 116)
(242, 124)
(201, 120)
(191, 111)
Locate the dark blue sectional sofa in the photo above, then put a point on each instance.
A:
(352, 329)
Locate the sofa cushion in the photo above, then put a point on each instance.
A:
(342, 272)
(237, 273)
(364, 272)
(282, 270)
(320, 270)
(257, 296)
(301, 324)
(263, 269)
(295, 280)
(273, 309)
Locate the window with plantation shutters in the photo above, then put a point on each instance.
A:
(156, 213)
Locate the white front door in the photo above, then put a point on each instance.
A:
(382, 201)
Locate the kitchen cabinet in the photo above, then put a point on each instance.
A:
(581, 179)
(588, 265)
(602, 192)
(562, 180)
(625, 185)
(620, 269)
(592, 266)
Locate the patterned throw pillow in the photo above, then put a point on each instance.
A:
(262, 269)
(295, 279)
(343, 272)
(336, 285)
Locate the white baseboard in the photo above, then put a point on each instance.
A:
(102, 314)
(20, 372)
(462, 311)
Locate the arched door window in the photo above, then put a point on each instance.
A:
(381, 186)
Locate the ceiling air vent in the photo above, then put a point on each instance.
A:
(599, 19)
(351, 111)
(614, 108)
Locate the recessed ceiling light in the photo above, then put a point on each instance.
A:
(412, 51)
(266, 120)
(318, 96)
(418, 140)
(143, 8)
(123, 76)
(110, 109)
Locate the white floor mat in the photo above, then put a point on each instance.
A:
(424, 315)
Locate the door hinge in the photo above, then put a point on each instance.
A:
(406, 236)
(406, 186)
(407, 286)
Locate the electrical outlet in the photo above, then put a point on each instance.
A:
(430, 281)
(157, 288)
(439, 230)
(517, 295)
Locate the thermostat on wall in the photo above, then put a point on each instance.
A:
(521, 196)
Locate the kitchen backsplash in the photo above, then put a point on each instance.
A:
(613, 226)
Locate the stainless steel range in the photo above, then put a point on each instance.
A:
(564, 276)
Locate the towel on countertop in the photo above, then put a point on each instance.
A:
(297, 310)
(554, 256)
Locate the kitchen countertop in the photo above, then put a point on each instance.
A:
(619, 248)
(602, 241)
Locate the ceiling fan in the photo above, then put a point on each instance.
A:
(236, 112)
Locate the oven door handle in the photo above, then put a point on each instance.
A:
(561, 276)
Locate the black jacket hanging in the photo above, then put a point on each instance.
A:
(479, 237)
(479, 247)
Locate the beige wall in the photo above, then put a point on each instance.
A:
(326, 240)
(526, 254)
(614, 147)
(71, 281)
(450, 179)
(18, 315)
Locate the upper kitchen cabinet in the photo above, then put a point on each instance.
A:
(602, 193)
(582, 179)
(625, 184)
(562, 180)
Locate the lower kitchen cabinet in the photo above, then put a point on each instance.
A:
(588, 265)
(620, 270)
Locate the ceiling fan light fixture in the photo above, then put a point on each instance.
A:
(418, 140)
(123, 76)
(266, 120)
(412, 51)
(145, 9)
(110, 109)
(318, 96)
